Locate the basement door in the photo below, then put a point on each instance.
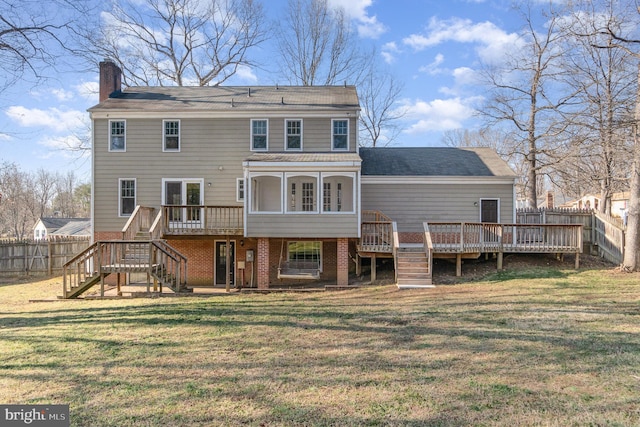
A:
(221, 262)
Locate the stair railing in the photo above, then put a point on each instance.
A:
(80, 268)
(168, 264)
(140, 219)
(428, 246)
(396, 247)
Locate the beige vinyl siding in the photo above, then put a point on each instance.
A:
(206, 145)
(411, 204)
(302, 225)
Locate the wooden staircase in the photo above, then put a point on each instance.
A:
(413, 267)
(155, 257)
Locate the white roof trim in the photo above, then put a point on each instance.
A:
(467, 180)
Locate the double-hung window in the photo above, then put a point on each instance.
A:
(340, 134)
(117, 135)
(171, 135)
(294, 135)
(259, 135)
(127, 196)
(239, 189)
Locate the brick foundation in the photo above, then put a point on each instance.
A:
(342, 262)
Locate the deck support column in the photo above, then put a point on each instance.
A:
(500, 255)
(577, 260)
(263, 263)
(119, 290)
(342, 252)
(458, 265)
(358, 265)
(373, 268)
(227, 273)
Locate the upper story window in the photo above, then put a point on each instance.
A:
(127, 197)
(293, 139)
(340, 134)
(259, 131)
(171, 135)
(240, 190)
(117, 135)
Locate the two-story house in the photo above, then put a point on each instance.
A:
(251, 184)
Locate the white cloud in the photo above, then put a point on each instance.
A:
(63, 144)
(246, 74)
(438, 115)
(368, 26)
(463, 77)
(389, 51)
(492, 41)
(88, 91)
(53, 118)
(434, 67)
(62, 95)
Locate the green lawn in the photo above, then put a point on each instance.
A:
(536, 347)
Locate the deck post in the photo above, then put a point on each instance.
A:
(358, 265)
(118, 278)
(373, 268)
(577, 260)
(500, 255)
(98, 268)
(227, 276)
(458, 265)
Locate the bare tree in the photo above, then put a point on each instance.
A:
(380, 115)
(178, 42)
(526, 93)
(16, 217)
(317, 45)
(33, 37)
(604, 82)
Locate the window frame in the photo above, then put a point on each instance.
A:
(121, 197)
(266, 135)
(164, 136)
(335, 195)
(333, 134)
(240, 189)
(297, 242)
(317, 193)
(111, 135)
(286, 134)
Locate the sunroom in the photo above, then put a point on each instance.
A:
(302, 195)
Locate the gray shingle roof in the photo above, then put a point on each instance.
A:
(433, 161)
(74, 228)
(232, 98)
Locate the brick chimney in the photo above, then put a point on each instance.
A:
(110, 79)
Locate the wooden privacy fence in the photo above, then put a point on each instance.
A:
(39, 256)
(600, 232)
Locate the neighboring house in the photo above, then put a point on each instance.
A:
(619, 203)
(259, 185)
(79, 227)
(46, 226)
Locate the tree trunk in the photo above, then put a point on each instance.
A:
(632, 234)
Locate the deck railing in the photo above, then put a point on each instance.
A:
(376, 236)
(140, 220)
(461, 237)
(202, 220)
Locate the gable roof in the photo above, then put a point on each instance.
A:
(76, 227)
(433, 161)
(231, 98)
(54, 223)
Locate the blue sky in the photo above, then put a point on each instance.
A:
(433, 46)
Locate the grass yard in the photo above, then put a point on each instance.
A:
(542, 346)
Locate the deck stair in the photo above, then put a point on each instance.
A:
(155, 257)
(413, 269)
